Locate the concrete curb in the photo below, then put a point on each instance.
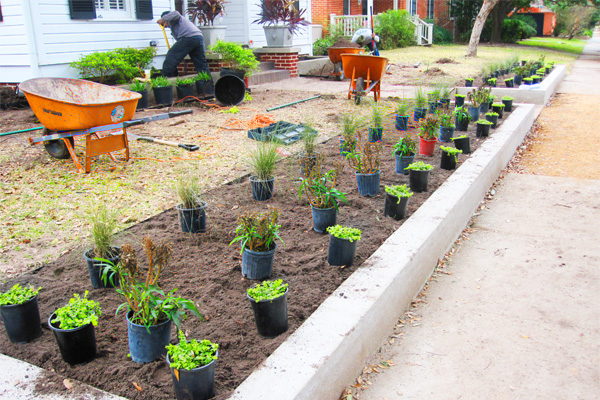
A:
(330, 348)
(539, 94)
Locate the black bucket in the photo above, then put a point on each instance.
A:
(230, 90)
(143, 101)
(22, 321)
(270, 315)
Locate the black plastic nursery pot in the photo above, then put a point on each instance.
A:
(95, 269)
(536, 80)
(184, 91)
(375, 134)
(509, 83)
(432, 107)
(368, 184)
(257, 265)
(402, 162)
(483, 130)
(418, 180)
(461, 124)
(459, 101)
(420, 113)
(394, 208)
(446, 133)
(499, 110)
(463, 143)
(474, 111)
(270, 315)
(484, 107)
(194, 384)
(230, 90)
(518, 79)
(22, 321)
(448, 161)
(341, 251)
(468, 83)
(163, 95)
(147, 344)
(262, 189)
(528, 81)
(143, 101)
(238, 73)
(78, 345)
(401, 123)
(445, 103)
(323, 218)
(192, 220)
(507, 105)
(205, 89)
(493, 119)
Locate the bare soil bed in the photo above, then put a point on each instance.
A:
(207, 270)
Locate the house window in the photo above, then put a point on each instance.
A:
(430, 6)
(113, 9)
(411, 7)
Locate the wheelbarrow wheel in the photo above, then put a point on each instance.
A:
(360, 87)
(57, 148)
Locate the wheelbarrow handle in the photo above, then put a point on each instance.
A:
(133, 122)
(178, 113)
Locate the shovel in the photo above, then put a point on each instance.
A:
(188, 147)
(131, 136)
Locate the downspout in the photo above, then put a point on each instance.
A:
(31, 38)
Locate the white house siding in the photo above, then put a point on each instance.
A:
(14, 48)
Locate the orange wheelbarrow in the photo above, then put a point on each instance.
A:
(367, 72)
(335, 56)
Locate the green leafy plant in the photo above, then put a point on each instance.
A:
(364, 158)
(492, 81)
(509, 79)
(79, 312)
(492, 114)
(451, 151)
(460, 95)
(160, 81)
(469, 79)
(395, 29)
(406, 146)
(351, 124)
(147, 302)
(461, 113)
(507, 98)
(184, 82)
(202, 76)
(267, 290)
(528, 79)
(443, 89)
(123, 64)
(445, 119)
(429, 127)
(263, 160)
(103, 221)
(18, 295)
(345, 232)
(257, 231)
(499, 105)
(137, 86)
(239, 57)
(320, 189)
(377, 116)
(193, 354)
(483, 122)
(458, 137)
(398, 191)
(535, 77)
(420, 166)
(433, 96)
(479, 96)
(231, 110)
(189, 190)
(309, 139)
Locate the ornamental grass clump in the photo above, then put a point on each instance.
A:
(79, 312)
(189, 190)
(257, 231)
(103, 221)
(18, 295)
(263, 160)
(193, 354)
(267, 290)
(345, 232)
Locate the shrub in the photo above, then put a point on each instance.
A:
(440, 35)
(123, 64)
(320, 46)
(517, 28)
(395, 29)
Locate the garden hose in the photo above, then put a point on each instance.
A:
(166, 40)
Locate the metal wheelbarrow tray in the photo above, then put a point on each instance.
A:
(335, 56)
(366, 74)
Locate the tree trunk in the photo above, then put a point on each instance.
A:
(499, 13)
(485, 10)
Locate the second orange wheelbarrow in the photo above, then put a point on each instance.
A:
(366, 74)
(335, 56)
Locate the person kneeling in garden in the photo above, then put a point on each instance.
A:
(189, 40)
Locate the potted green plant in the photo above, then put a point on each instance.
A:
(192, 366)
(342, 245)
(365, 160)
(150, 310)
(459, 100)
(280, 20)
(404, 154)
(350, 126)
(204, 85)
(477, 98)
(446, 126)
(419, 176)
(492, 82)
(376, 128)
(402, 115)
(263, 160)
(162, 89)
(205, 12)
(461, 118)
(420, 100)
(184, 88)
(510, 82)
(433, 98)
(535, 79)
(257, 233)
(103, 223)
(444, 91)
(493, 118)
(428, 132)
(192, 209)
(269, 305)
(528, 81)
(140, 87)
(20, 313)
(396, 201)
(319, 188)
(499, 109)
(520, 73)
(483, 128)
(73, 327)
(242, 61)
(449, 157)
(462, 142)
(469, 82)
(308, 158)
(508, 103)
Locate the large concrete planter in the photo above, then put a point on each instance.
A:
(278, 36)
(212, 34)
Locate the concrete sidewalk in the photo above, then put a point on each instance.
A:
(519, 316)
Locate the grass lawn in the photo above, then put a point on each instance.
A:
(574, 46)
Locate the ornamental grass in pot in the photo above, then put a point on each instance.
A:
(103, 223)
(269, 305)
(205, 88)
(141, 88)
(342, 245)
(446, 126)
(184, 88)
(376, 128)
(396, 201)
(73, 328)
(20, 313)
(263, 160)
(419, 176)
(365, 160)
(428, 133)
(309, 157)
(319, 188)
(351, 124)
(162, 89)
(404, 154)
(257, 233)
(420, 101)
(192, 364)
(402, 115)
(150, 310)
(192, 209)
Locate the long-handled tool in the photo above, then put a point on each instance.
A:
(189, 147)
(167, 40)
